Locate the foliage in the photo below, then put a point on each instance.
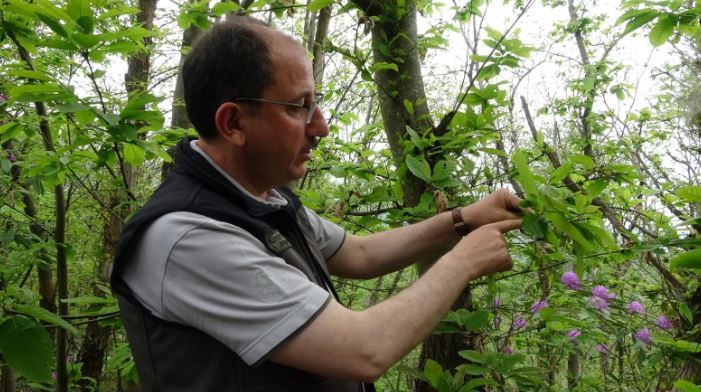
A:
(611, 183)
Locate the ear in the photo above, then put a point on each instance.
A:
(227, 119)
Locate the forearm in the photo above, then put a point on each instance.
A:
(365, 344)
(388, 251)
(362, 345)
(408, 318)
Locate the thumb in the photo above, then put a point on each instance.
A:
(507, 225)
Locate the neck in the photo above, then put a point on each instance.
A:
(232, 167)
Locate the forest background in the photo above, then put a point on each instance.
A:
(589, 111)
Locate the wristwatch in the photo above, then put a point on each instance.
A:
(458, 223)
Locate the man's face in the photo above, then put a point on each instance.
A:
(279, 142)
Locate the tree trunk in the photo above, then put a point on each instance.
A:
(572, 371)
(394, 35)
(322, 28)
(47, 295)
(96, 341)
(8, 378)
(179, 117)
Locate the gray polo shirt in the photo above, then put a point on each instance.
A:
(218, 278)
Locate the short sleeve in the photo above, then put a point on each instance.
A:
(329, 236)
(220, 279)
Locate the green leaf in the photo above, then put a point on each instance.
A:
(409, 106)
(472, 355)
(475, 320)
(53, 23)
(571, 230)
(225, 7)
(79, 11)
(86, 23)
(38, 92)
(686, 386)
(679, 345)
(686, 312)
(440, 172)
(9, 130)
(44, 315)
(383, 66)
(534, 226)
(29, 74)
(419, 167)
(472, 369)
(583, 160)
(662, 30)
(494, 151)
(520, 160)
(594, 188)
(5, 165)
(414, 137)
(86, 41)
(27, 348)
(433, 372)
(476, 383)
(488, 72)
(690, 259)
(133, 154)
(643, 17)
(689, 193)
(560, 173)
(316, 5)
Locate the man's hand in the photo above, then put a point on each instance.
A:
(498, 206)
(484, 251)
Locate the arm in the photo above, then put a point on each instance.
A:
(362, 345)
(384, 252)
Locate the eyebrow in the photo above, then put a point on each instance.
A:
(301, 96)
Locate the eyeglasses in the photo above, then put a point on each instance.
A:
(311, 106)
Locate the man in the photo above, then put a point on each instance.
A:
(222, 277)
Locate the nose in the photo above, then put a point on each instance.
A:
(318, 127)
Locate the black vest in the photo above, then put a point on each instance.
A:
(171, 357)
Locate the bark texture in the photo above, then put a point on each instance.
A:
(394, 41)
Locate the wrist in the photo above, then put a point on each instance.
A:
(460, 225)
(460, 266)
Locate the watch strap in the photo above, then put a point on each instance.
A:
(458, 223)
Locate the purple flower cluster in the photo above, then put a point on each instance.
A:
(507, 350)
(602, 349)
(644, 336)
(12, 157)
(572, 334)
(519, 323)
(635, 307)
(598, 303)
(600, 297)
(539, 305)
(664, 323)
(571, 280)
(602, 292)
(3, 98)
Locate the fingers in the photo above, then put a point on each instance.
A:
(509, 201)
(507, 225)
(506, 264)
